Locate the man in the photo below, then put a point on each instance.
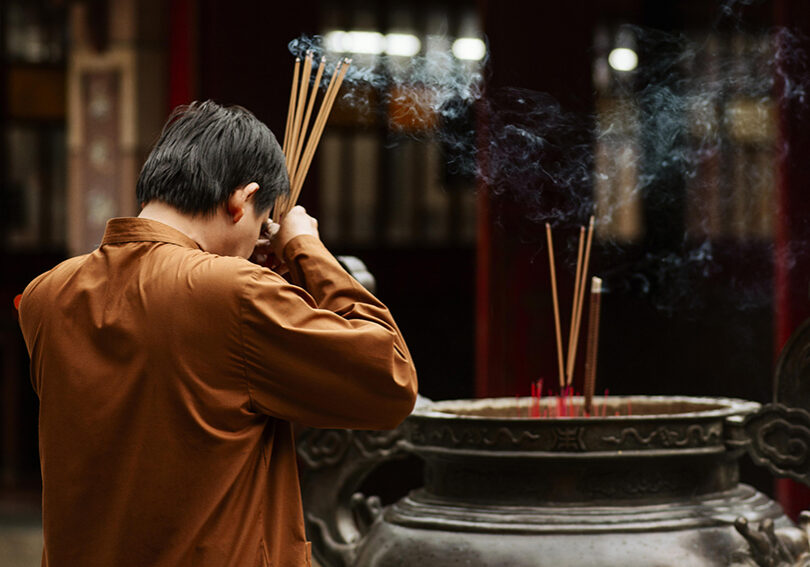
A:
(169, 367)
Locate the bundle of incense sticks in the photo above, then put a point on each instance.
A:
(566, 403)
(301, 139)
(566, 372)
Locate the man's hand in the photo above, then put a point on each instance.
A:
(269, 250)
(263, 252)
(296, 223)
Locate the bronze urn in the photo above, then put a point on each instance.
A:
(658, 487)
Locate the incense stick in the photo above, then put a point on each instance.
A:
(290, 113)
(574, 304)
(583, 278)
(299, 114)
(556, 305)
(593, 342)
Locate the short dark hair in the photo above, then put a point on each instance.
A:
(205, 152)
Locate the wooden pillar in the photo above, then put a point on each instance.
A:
(117, 102)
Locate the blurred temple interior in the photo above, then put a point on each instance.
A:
(681, 125)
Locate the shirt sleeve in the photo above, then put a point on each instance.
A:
(29, 316)
(324, 352)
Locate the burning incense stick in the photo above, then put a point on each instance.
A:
(574, 304)
(290, 111)
(556, 305)
(583, 279)
(288, 134)
(593, 342)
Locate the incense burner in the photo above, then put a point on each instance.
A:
(658, 487)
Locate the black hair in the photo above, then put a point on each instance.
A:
(205, 152)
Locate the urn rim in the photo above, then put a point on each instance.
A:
(462, 409)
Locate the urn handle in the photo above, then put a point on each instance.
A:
(778, 438)
(334, 464)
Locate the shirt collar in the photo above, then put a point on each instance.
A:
(132, 229)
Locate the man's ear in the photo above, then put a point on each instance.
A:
(238, 200)
(250, 190)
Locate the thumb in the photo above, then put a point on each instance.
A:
(270, 228)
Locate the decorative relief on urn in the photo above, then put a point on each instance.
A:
(506, 438)
(320, 448)
(377, 444)
(666, 437)
(568, 439)
(769, 546)
(635, 482)
(328, 447)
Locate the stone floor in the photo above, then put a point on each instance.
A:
(20, 533)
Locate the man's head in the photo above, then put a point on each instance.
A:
(205, 153)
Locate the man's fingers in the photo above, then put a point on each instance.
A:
(296, 223)
(270, 228)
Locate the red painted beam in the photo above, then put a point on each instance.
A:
(792, 238)
(182, 52)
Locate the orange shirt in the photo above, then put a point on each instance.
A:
(168, 378)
